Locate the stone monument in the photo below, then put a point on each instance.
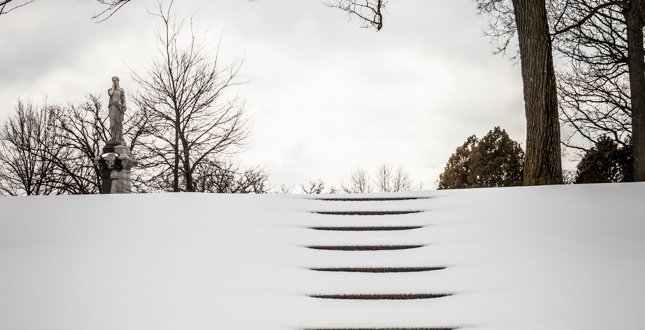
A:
(116, 160)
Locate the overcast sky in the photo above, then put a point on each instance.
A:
(327, 96)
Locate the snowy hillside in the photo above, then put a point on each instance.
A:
(556, 257)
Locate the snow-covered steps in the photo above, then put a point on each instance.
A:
(370, 199)
(366, 231)
(367, 212)
(378, 329)
(557, 257)
(363, 247)
(367, 228)
(379, 270)
(382, 296)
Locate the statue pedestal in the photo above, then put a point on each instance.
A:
(115, 162)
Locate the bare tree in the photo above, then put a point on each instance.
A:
(387, 180)
(604, 94)
(185, 96)
(25, 142)
(81, 130)
(594, 105)
(313, 187)
(53, 147)
(401, 181)
(285, 189)
(228, 176)
(359, 182)
(383, 180)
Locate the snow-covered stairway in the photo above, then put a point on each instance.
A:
(366, 240)
(527, 258)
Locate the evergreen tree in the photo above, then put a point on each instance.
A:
(456, 173)
(607, 162)
(493, 161)
(497, 161)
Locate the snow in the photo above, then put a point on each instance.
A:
(552, 257)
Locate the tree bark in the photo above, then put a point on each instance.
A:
(636, 65)
(175, 170)
(543, 164)
(188, 174)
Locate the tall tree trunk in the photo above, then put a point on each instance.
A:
(636, 65)
(175, 170)
(542, 164)
(188, 173)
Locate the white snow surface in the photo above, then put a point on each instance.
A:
(551, 257)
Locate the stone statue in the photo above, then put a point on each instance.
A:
(116, 160)
(117, 109)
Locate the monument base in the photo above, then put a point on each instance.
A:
(115, 162)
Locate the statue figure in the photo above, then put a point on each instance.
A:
(117, 109)
(116, 160)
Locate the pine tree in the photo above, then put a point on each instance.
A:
(456, 173)
(497, 161)
(607, 162)
(493, 161)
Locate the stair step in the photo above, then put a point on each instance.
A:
(370, 199)
(379, 328)
(371, 228)
(363, 247)
(379, 269)
(367, 212)
(405, 296)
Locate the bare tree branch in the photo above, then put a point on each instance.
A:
(370, 12)
(590, 15)
(113, 7)
(188, 97)
(594, 88)
(313, 187)
(4, 3)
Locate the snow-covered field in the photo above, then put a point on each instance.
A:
(556, 257)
